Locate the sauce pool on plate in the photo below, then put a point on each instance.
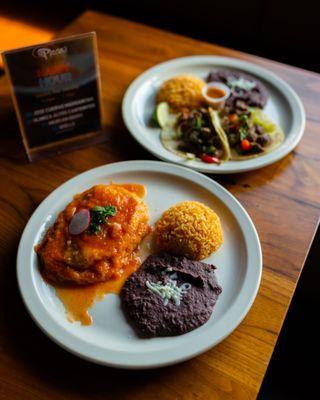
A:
(77, 300)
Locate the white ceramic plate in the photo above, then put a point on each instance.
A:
(284, 107)
(110, 340)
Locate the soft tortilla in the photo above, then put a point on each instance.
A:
(274, 131)
(170, 141)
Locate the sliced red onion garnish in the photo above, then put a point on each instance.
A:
(79, 222)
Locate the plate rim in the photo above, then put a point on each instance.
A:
(294, 101)
(31, 301)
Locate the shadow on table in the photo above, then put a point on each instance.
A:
(48, 364)
(293, 370)
(57, 368)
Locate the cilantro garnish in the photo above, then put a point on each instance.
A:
(199, 122)
(243, 133)
(243, 118)
(99, 216)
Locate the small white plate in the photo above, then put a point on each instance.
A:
(283, 106)
(110, 340)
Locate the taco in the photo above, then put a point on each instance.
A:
(197, 134)
(250, 132)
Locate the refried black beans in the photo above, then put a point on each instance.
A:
(256, 96)
(189, 289)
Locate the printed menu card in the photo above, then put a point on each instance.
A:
(56, 93)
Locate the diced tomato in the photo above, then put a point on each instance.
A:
(209, 159)
(233, 118)
(245, 145)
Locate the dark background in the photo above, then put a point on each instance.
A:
(284, 30)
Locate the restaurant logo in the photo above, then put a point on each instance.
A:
(46, 52)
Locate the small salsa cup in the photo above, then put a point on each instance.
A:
(215, 94)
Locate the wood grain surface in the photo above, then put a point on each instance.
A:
(282, 199)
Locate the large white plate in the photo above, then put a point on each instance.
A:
(284, 107)
(110, 340)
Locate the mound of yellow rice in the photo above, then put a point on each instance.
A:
(183, 92)
(189, 229)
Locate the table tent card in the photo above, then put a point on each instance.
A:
(56, 94)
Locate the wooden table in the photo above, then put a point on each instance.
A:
(282, 199)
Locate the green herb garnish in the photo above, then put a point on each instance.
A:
(99, 216)
(209, 149)
(243, 133)
(243, 118)
(199, 122)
